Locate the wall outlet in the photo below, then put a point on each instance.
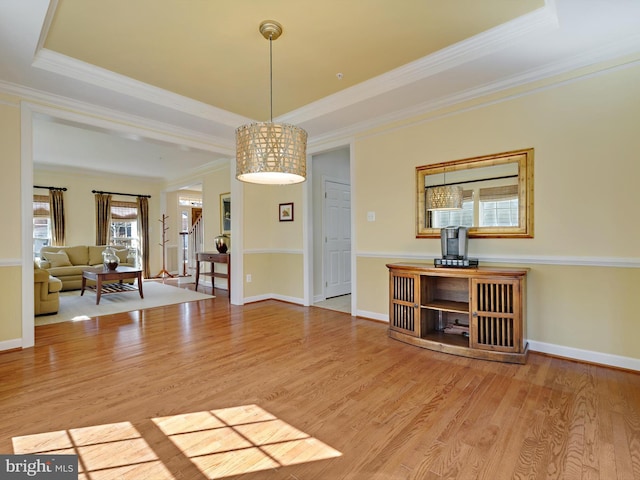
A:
(248, 278)
(371, 216)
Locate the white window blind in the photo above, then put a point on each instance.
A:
(124, 210)
(499, 206)
(41, 207)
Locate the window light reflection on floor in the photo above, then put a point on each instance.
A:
(243, 439)
(220, 443)
(109, 451)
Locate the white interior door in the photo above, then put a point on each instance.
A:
(337, 242)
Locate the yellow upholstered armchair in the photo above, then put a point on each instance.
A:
(46, 292)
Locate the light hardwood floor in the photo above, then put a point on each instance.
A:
(278, 391)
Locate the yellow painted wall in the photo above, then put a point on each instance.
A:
(10, 245)
(272, 248)
(259, 267)
(274, 274)
(10, 218)
(289, 271)
(10, 307)
(586, 173)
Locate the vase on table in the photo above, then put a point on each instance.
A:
(222, 243)
(110, 259)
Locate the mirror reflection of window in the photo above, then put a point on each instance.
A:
(490, 197)
(499, 206)
(497, 195)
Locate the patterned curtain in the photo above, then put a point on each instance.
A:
(56, 201)
(103, 218)
(143, 235)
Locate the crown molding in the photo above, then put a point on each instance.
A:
(575, 64)
(73, 110)
(70, 67)
(468, 50)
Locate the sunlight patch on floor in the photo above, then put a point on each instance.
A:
(220, 443)
(237, 440)
(104, 451)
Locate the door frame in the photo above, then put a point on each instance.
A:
(308, 244)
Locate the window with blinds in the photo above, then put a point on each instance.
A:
(124, 224)
(499, 206)
(41, 223)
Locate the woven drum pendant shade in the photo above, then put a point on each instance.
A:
(271, 153)
(266, 152)
(444, 197)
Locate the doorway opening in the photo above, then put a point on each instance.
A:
(331, 191)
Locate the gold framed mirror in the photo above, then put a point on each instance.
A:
(496, 190)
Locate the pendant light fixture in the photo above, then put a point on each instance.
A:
(266, 152)
(444, 197)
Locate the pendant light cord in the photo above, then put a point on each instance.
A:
(271, 77)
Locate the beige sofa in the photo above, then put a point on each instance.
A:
(46, 296)
(67, 263)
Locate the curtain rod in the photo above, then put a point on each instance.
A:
(63, 189)
(116, 193)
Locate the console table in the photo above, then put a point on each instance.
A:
(474, 312)
(213, 258)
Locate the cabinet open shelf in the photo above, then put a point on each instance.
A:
(487, 304)
(448, 306)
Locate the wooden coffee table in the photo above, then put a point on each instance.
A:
(101, 275)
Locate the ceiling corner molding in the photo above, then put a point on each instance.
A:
(600, 55)
(482, 44)
(108, 119)
(70, 67)
(46, 25)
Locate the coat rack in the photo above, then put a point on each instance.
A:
(164, 273)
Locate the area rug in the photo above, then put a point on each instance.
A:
(74, 307)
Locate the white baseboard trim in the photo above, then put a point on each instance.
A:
(373, 315)
(319, 298)
(256, 298)
(11, 344)
(273, 296)
(585, 355)
(284, 298)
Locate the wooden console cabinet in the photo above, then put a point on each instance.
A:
(474, 312)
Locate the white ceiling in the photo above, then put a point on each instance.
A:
(169, 134)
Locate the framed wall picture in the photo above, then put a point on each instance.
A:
(286, 212)
(225, 213)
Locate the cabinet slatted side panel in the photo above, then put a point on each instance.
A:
(495, 325)
(403, 311)
(404, 317)
(404, 288)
